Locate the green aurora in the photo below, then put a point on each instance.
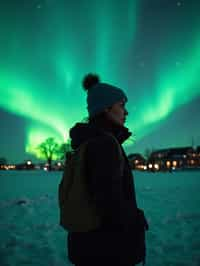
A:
(48, 46)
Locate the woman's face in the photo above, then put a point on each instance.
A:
(117, 113)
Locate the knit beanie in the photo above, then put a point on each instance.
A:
(100, 95)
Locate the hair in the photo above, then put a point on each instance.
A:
(89, 81)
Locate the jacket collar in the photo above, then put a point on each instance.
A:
(82, 132)
(121, 133)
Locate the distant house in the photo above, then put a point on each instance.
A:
(185, 157)
(172, 158)
(28, 165)
(137, 161)
(198, 150)
(198, 155)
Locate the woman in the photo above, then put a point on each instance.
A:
(119, 240)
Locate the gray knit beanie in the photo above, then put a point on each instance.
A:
(100, 95)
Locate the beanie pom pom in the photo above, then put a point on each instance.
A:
(90, 80)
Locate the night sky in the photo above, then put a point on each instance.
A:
(149, 48)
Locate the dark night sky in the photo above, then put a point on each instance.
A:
(149, 48)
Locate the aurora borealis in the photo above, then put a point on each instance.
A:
(149, 48)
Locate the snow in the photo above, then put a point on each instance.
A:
(29, 219)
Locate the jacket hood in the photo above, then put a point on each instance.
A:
(82, 132)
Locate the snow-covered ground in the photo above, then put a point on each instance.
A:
(30, 233)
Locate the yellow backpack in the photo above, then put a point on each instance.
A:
(77, 209)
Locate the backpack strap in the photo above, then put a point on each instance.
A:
(77, 211)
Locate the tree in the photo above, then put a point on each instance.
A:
(3, 161)
(65, 148)
(49, 148)
(147, 153)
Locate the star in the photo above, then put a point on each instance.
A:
(178, 4)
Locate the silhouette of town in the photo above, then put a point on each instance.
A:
(162, 160)
(169, 159)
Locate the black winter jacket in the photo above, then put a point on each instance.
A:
(114, 195)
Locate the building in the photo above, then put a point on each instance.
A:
(137, 161)
(28, 165)
(173, 159)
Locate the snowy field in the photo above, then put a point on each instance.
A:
(30, 233)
